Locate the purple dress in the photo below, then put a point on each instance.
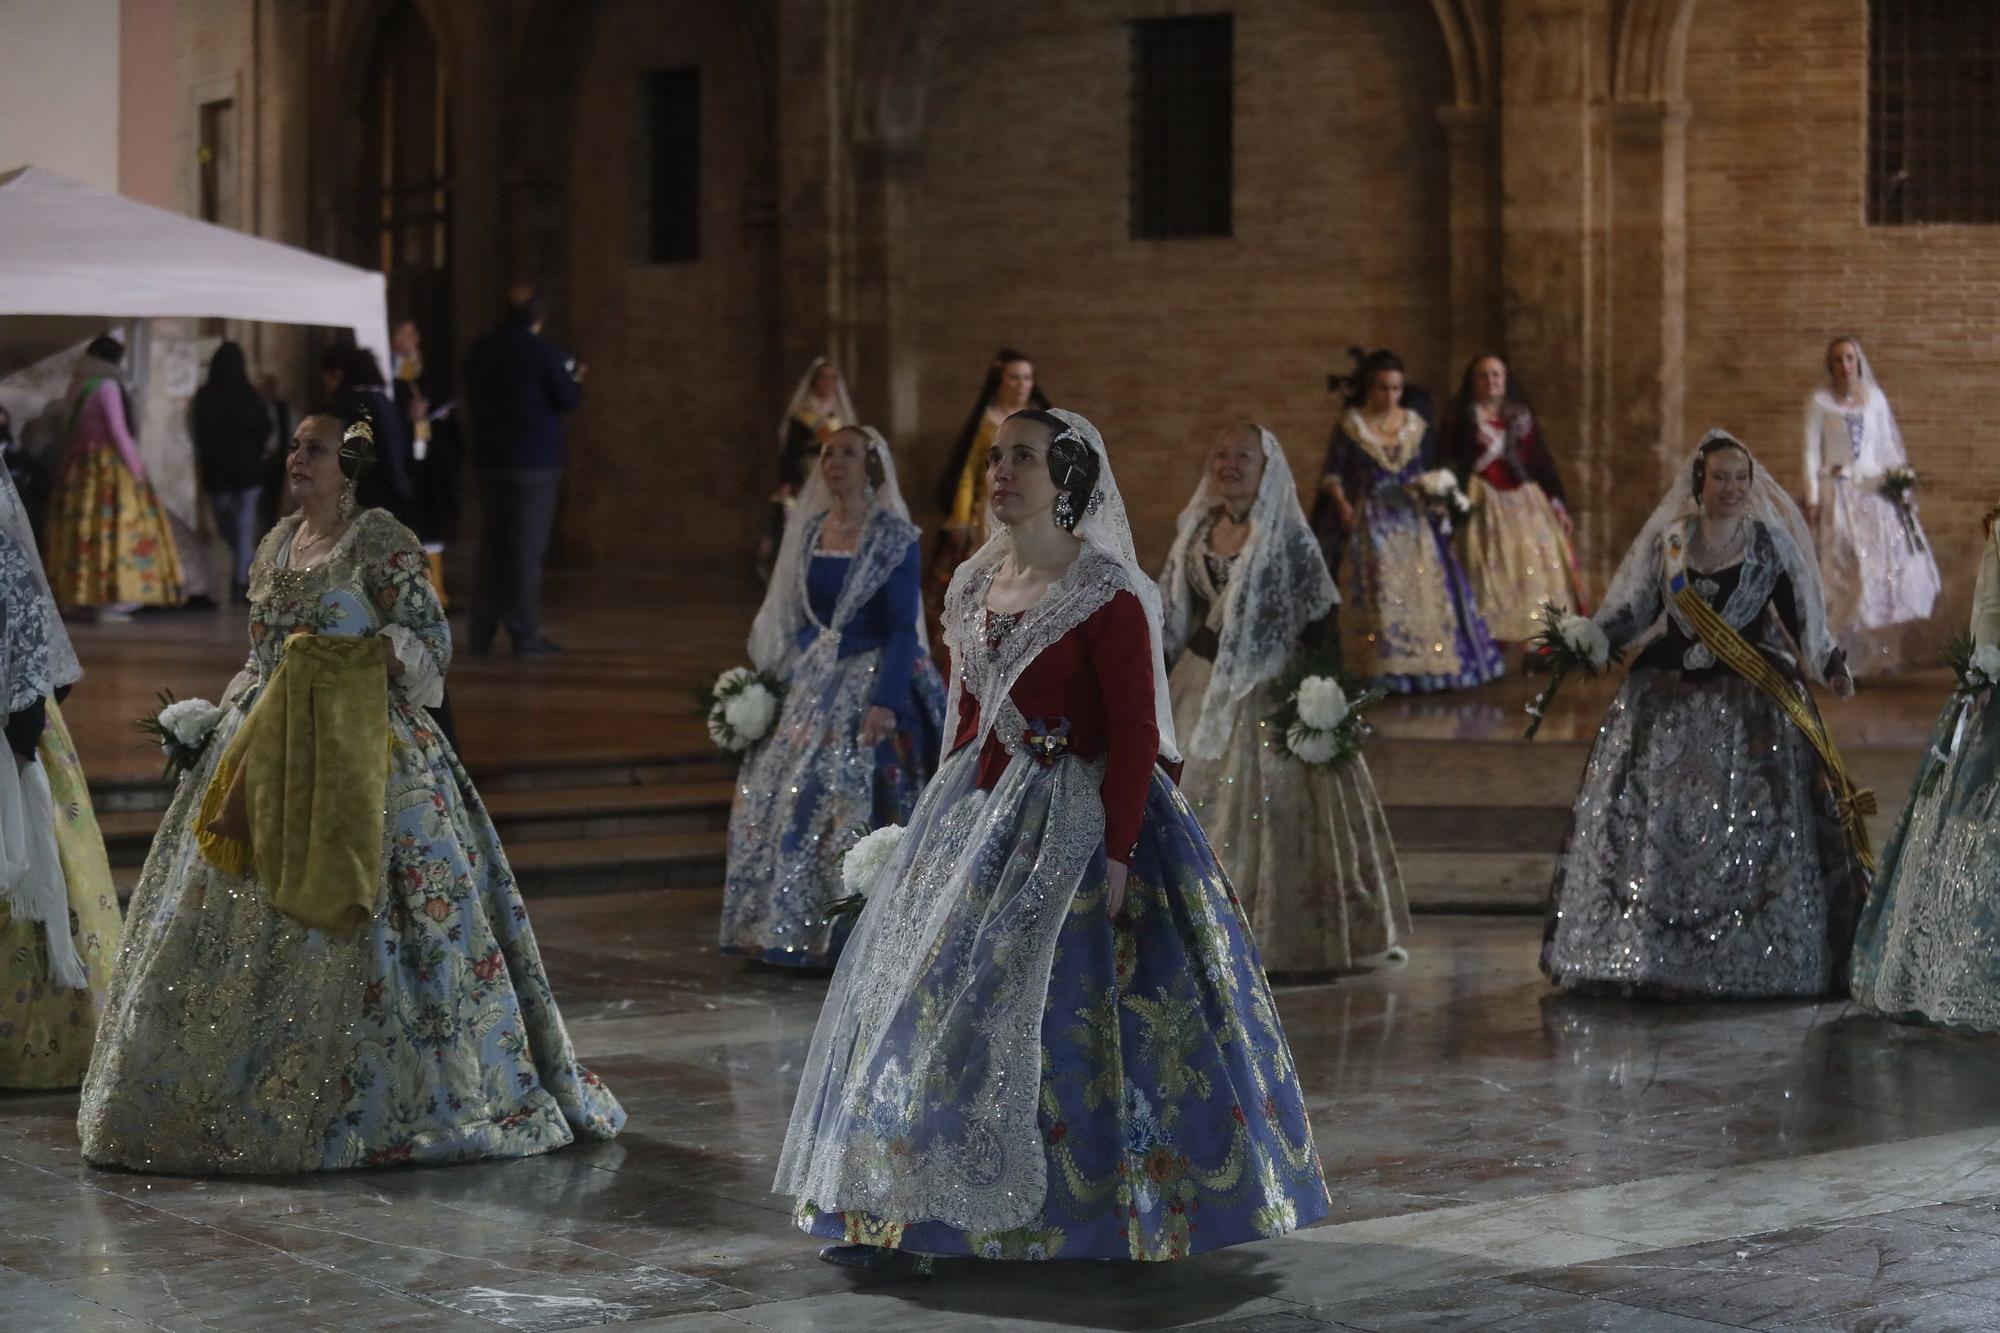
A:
(1408, 619)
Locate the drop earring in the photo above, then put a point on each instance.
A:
(1065, 514)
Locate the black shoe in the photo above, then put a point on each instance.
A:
(535, 647)
(875, 1259)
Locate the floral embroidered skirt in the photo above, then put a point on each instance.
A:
(1306, 847)
(1170, 1115)
(45, 1029)
(237, 1039)
(1705, 856)
(108, 541)
(1408, 620)
(808, 792)
(1928, 948)
(1517, 557)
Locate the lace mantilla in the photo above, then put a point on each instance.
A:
(1278, 586)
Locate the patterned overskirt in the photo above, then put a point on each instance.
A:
(1517, 558)
(1705, 856)
(1307, 848)
(1169, 1113)
(1928, 947)
(108, 541)
(808, 792)
(46, 1030)
(237, 1039)
(1408, 619)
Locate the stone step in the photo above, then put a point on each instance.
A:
(1492, 882)
(116, 795)
(610, 865)
(528, 815)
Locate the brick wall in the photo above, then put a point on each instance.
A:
(1780, 260)
(1340, 233)
(676, 444)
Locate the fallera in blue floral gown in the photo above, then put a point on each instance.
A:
(237, 1039)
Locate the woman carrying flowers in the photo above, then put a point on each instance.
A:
(1716, 849)
(1050, 1035)
(841, 634)
(354, 986)
(1247, 608)
(1408, 620)
(1880, 573)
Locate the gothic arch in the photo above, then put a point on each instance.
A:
(1467, 28)
(1649, 58)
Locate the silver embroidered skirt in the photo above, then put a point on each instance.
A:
(1705, 858)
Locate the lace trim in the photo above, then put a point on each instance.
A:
(421, 683)
(1761, 568)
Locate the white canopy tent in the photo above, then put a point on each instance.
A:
(68, 249)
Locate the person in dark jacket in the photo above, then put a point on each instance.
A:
(232, 428)
(364, 389)
(518, 389)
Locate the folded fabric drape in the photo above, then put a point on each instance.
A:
(299, 792)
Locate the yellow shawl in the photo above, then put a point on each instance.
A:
(299, 792)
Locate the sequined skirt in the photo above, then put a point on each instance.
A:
(807, 793)
(46, 1029)
(1704, 857)
(1408, 619)
(1170, 1115)
(1307, 848)
(1928, 948)
(237, 1039)
(1517, 558)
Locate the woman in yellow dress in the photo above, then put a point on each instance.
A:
(58, 909)
(963, 492)
(109, 545)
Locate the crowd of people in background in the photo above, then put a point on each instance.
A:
(113, 550)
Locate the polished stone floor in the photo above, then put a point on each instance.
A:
(1500, 1157)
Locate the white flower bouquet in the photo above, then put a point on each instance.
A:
(1898, 485)
(1569, 643)
(1441, 491)
(1977, 667)
(742, 707)
(862, 866)
(181, 728)
(1322, 720)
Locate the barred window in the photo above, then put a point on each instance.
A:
(1933, 111)
(1183, 124)
(670, 166)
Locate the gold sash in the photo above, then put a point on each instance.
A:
(1853, 803)
(298, 795)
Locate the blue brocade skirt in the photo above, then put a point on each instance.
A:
(1170, 1112)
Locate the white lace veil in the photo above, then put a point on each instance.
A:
(1638, 589)
(884, 543)
(1875, 403)
(40, 658)
(842, 404)
(1105, 531)
(1279, 586)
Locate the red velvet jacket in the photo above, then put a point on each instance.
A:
(1098, 678)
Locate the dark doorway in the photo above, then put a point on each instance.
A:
(405, 190)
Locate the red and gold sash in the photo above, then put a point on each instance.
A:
(1853, 803)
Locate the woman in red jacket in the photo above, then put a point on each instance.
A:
(1050, 1034)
